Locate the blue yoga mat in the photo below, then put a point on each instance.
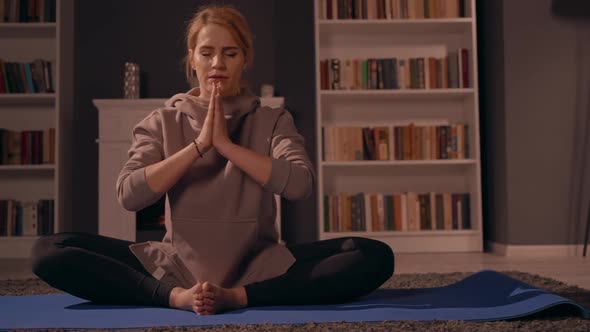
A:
(483, 296)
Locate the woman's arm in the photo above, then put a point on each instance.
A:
(288, 172)
(257, 166)
(162, 175)
(147, 174)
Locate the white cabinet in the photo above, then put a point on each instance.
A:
(116, 118)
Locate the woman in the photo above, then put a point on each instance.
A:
(219, 158)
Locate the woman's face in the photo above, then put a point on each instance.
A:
(217, 58)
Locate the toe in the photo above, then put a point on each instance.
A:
(199, 288)
(209, 295)
(204, 310)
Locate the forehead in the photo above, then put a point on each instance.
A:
(215, 35)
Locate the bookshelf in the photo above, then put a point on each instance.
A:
(24, 41)
(443, 168)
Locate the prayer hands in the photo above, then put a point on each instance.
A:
(214, 131)
(220, 135)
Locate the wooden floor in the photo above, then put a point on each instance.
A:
(572, 270)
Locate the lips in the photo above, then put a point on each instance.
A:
(218, 77)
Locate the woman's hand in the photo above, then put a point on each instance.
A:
(220, 136)
(205, 139)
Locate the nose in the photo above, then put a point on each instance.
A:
(218, 62)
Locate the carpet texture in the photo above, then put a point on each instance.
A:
(546, 323)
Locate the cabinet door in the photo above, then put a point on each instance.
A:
(113, 220)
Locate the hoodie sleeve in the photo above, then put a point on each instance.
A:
(146, 149)
(292, 174)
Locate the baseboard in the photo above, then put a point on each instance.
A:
(550, 250)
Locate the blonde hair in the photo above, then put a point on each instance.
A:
(226, 16)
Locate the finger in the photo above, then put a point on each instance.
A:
(217, 101)
(212, 99)
(210, 117)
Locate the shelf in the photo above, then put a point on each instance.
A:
(403, 26)
(377, 163)
(402, 233)
(400, 94)
(27, 168)
(47, 99)
(28, 30)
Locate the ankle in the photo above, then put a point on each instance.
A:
(173, 298)
(240, 296)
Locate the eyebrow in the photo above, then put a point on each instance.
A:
(223, 48)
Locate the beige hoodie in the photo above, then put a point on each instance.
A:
(219, 221)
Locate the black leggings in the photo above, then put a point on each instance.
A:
(104, 270)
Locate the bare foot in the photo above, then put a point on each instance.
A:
(212, 299)
(182, 298)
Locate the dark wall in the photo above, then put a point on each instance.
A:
(150, 33)
(541, 77)
(490, 37)
(531, 74)
(295, 68)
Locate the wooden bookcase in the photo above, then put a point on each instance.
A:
(400, 38)
(22, 43)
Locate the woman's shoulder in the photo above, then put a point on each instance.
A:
(266, 111)
(161, 114)
(159, 117)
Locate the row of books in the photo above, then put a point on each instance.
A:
(449, 72)
(27, 147)
(409, 211)
(28, 218)
(29, 77)
(391, 9)
(25, 11)
(408, 142)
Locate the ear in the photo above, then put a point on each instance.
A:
(190, 58)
